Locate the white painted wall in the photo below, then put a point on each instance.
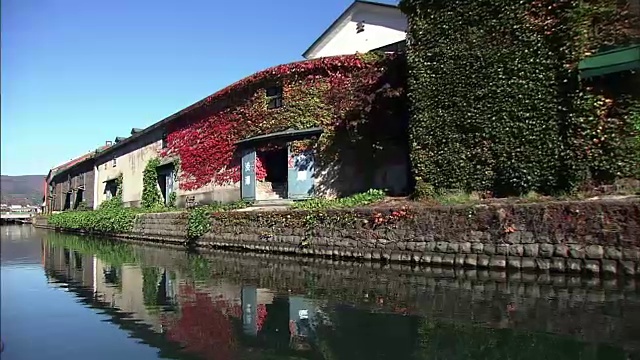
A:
(131, 165)
(382, 26)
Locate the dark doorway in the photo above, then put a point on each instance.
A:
(67, 201)
(165, 182)
(111, 189)
(274, 161)
(162, 182)
(79, 198)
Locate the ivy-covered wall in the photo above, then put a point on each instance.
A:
(496, 101)
(357, 99)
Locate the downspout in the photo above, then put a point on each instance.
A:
(96, 178)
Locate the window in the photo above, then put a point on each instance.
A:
(164, 140)
(105, 166)
(359, 27)
(274, 97)
(113, 162)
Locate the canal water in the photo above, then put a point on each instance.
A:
(72, 297)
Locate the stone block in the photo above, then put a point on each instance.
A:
(442, 246)
(502, 249)
(465, 248)
(561, 250)
(527, 237)
(609, 266)
(459, 260)
(558, 264)
(483, 260)
(631, 254)
(513, 238)
(516, 250)
(592, 266)
(612, 253)
(531, 250)
(546, 250)
(594, 252)
(436, 258)
(453, 247)
(477, 248)
(498, 262)
(421, 246)
(471, 260)
(410, 246)
(489, 249)
(628, 267)
(426, 258)
(576, 251)
(514, 262)
(528, 263)
(574, 265)
(430, 246)
(448, 259)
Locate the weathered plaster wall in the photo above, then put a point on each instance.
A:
(209, 194)
(130, 162)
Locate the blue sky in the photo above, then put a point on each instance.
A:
(76, 73)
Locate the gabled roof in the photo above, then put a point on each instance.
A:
(343, 18)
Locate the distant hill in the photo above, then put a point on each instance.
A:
(22, 190)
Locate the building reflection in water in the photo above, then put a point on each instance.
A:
(219, 316)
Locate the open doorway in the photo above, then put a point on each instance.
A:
(165, 182)
(274, 161)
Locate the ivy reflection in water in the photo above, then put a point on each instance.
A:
(231, 305)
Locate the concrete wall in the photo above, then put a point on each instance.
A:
(356, 172)
(209, 194)
(382, 26)
(130, 161)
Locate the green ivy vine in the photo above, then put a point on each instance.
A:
(198, 222)
(151, 196)
(496, 102)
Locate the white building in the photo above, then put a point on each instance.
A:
(363, 27)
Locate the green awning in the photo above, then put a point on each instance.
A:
(612, 61)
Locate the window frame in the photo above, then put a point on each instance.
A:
(275, 100)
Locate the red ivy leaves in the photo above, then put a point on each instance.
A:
(204, 327)
(204, 136)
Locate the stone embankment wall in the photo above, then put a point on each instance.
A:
(598, 237)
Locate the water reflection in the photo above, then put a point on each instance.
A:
(231, 305)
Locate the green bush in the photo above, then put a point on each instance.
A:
(362, 199)
(105, 220)
(198, 223)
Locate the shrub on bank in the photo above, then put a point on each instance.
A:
(109, 220)
(362, 199)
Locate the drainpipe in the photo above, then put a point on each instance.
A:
(96, 178)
